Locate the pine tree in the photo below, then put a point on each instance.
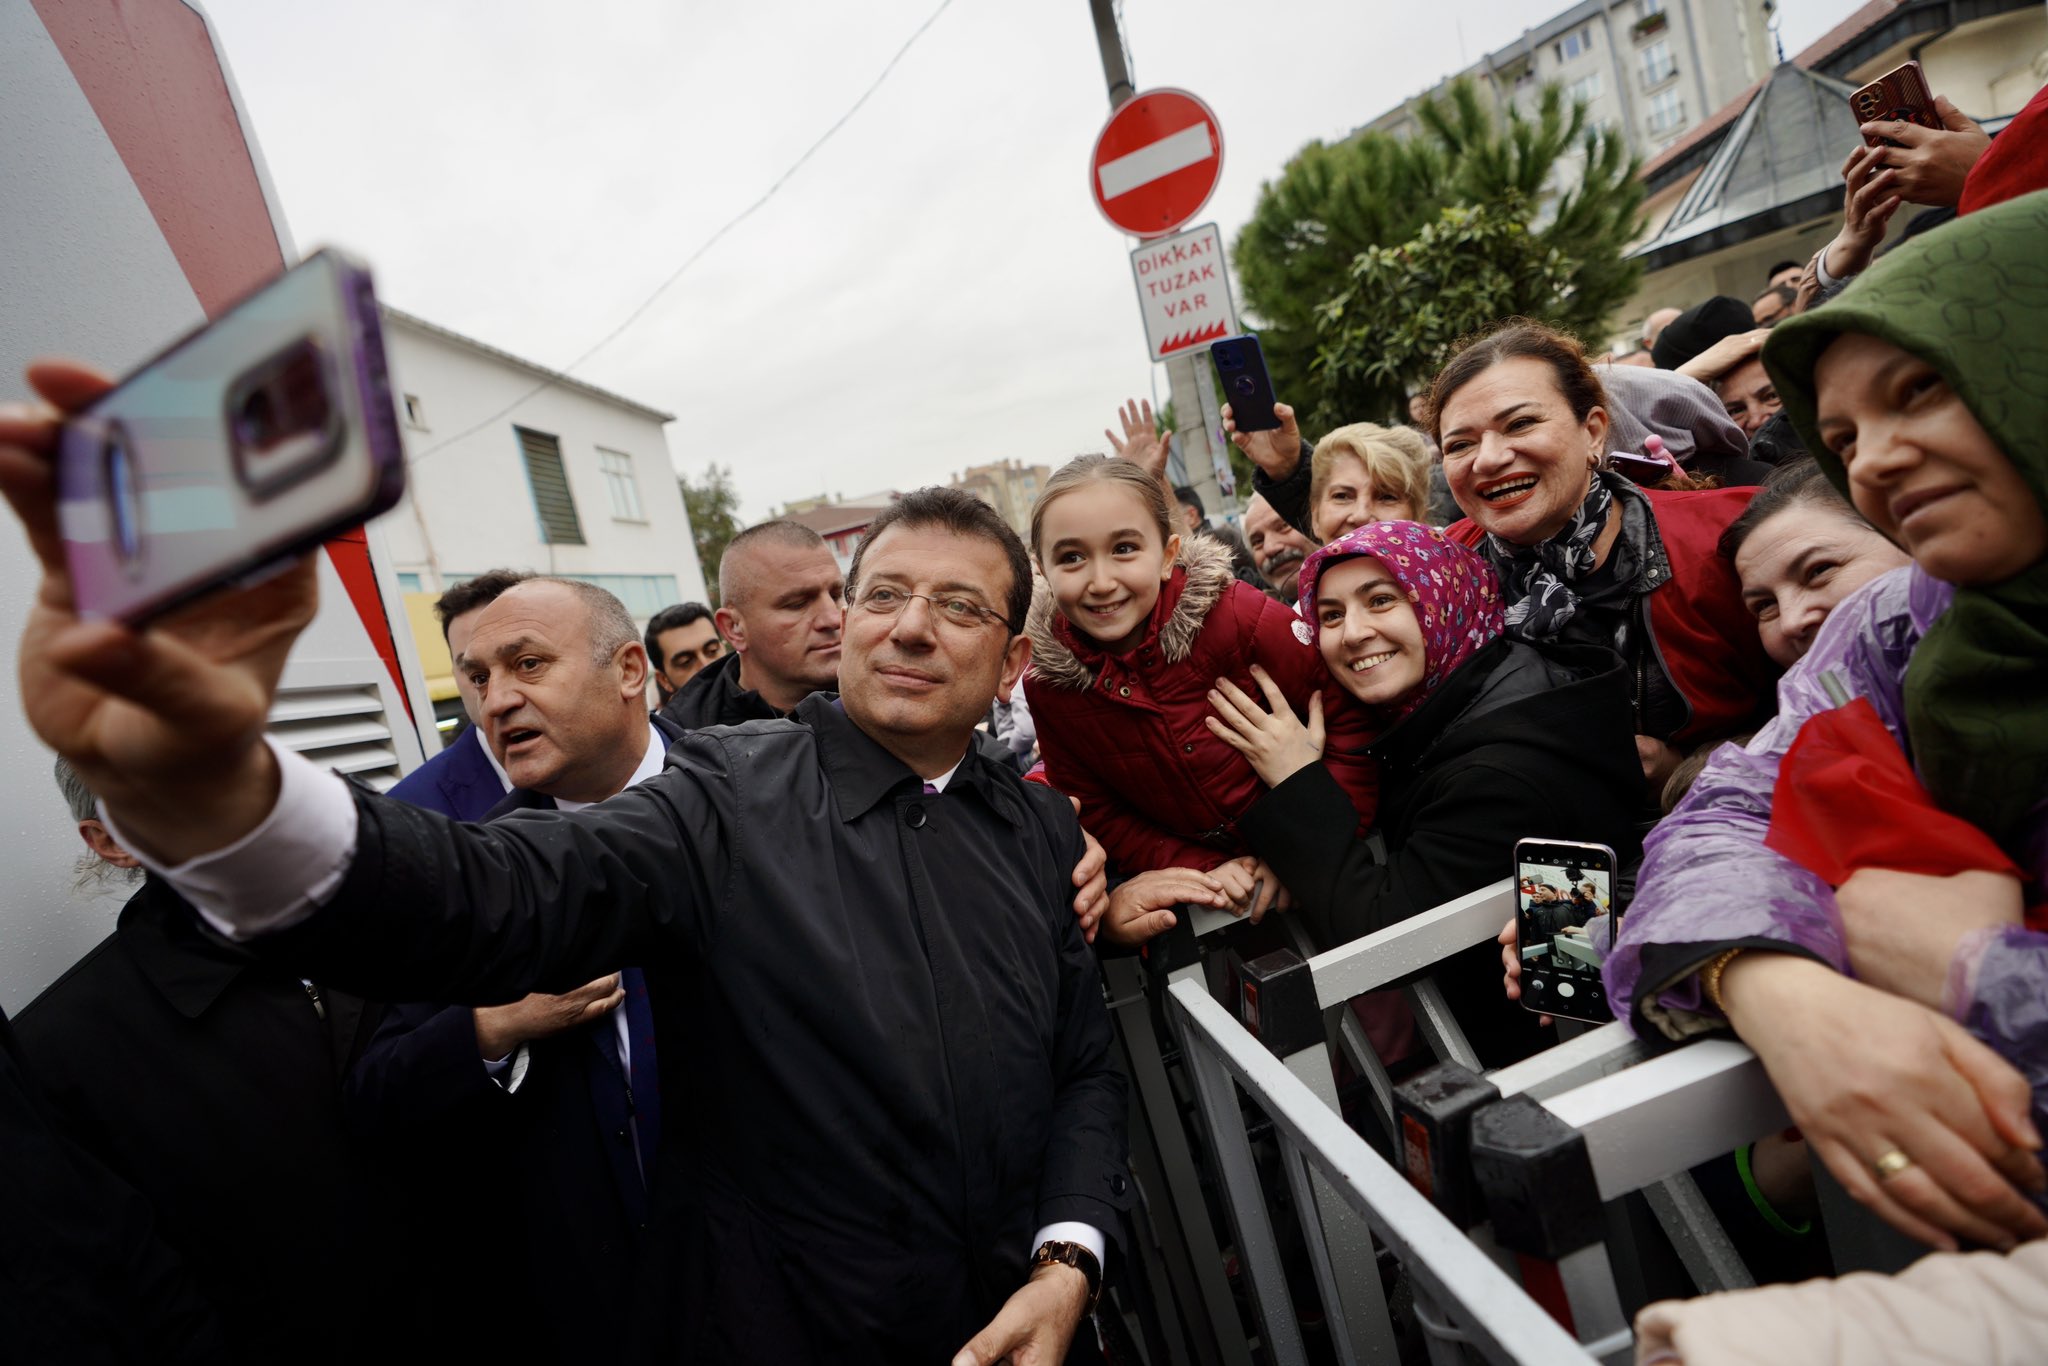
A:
(1366, 259)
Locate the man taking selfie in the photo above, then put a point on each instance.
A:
(911, 1136)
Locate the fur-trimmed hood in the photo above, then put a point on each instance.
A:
(1060, 657)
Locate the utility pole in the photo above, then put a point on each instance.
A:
(1187, 384)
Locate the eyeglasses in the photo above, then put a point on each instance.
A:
(961, 614)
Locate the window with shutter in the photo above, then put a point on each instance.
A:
(550, 485)
(340, 727)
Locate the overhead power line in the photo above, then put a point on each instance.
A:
(742, 216)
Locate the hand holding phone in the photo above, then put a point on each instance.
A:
(239, 448)
(1241, 371)
(1562, 888)
(1900, 95)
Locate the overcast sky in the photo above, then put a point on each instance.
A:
(934, 289)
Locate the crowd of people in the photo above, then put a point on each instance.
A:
(766, 1024)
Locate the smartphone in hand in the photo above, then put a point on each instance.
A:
(237, 449)
(1901, 94)
(1241, 371)
(1641, 469)
(1562, 887)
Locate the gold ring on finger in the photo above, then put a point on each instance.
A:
(1891, 1164)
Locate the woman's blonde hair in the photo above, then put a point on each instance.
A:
(1088, 469)
(1396, 460)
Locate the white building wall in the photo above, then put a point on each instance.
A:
(89, 274)
(469, 507)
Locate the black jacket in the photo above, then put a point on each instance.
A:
(879, 1001)
(715, 698)
(1522, 740)
(546, 1172)
(84, 1278)
(210, 1082)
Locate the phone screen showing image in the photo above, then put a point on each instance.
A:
(1564, 899)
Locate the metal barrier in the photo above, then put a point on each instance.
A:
(1179, 1252)
(1533, 1162)
(1461, 1294)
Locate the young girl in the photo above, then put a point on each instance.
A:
(1131, 631)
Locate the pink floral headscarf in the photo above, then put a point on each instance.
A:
(1455, 591)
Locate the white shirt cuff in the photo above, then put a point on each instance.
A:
(1087, 1235)
(280, 872)
(510, 1070)
(1820, 271)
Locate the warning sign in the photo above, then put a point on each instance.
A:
(1183, 290)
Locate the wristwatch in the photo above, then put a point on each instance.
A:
(1056, 1252)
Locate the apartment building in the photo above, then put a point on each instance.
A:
(1649, 69)
(1008, 486)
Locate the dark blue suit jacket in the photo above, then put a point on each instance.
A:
(457, 782)
(551, 1165)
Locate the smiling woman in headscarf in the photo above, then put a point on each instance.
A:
(1923, 390)
(1487, 739)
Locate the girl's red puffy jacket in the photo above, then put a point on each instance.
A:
(1126, 734)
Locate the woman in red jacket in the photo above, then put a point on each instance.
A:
(1587, 556)
(1132, 628)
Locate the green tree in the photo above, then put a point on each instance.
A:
(713, 505)
(1326, 304)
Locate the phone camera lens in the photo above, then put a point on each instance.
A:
(124, 504)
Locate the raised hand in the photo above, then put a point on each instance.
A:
(164, 724)
(1276, 452)
(1724, 355)
(1272, 740)
(1870, 198)
(1931, 163)
(1143, 444)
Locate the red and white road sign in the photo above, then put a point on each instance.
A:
(1184, 291)
(1156, 162)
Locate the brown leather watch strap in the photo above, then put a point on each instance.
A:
(1054, 1252)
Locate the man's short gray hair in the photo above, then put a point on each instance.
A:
(734, 582)
(91, 874)
(611, 625)
(84, 806)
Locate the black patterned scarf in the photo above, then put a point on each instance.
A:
(1539, 582)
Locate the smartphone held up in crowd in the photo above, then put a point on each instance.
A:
(236, 449)
(1562, 888)
(1902, 95)
(1247, 388)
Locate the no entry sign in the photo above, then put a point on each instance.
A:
(1156, 162)
(1183, 291)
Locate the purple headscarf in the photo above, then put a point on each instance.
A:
(1455, 592)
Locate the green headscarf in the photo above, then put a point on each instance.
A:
(1971, 299)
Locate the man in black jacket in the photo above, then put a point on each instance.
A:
(540, 1117)
(881, 991)
(209, 1080)
(781, 609)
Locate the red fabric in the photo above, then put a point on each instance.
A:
(350, 554)
(1847, 798)
(1706, 639)
(1154, 785)
(2015, 163)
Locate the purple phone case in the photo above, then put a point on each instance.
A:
(193, 526)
